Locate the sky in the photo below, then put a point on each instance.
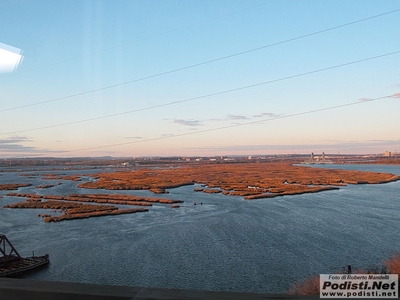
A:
(198, 77)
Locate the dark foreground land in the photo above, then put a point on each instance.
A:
(16, 289)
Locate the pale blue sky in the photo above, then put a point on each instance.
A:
(74, 47)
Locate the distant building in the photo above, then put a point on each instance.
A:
(314, 159)
(387, 154)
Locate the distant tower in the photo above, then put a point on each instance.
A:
(323, 156)
(312, 156)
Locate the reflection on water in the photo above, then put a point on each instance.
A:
(226, 243)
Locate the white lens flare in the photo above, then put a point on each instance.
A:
(10, 58)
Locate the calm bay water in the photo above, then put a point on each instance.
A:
(225, 244)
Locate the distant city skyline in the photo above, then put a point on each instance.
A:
(198, 78)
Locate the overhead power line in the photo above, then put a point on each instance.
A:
(138, 40)
(198, 64)
(207, 95)
(265, 119)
